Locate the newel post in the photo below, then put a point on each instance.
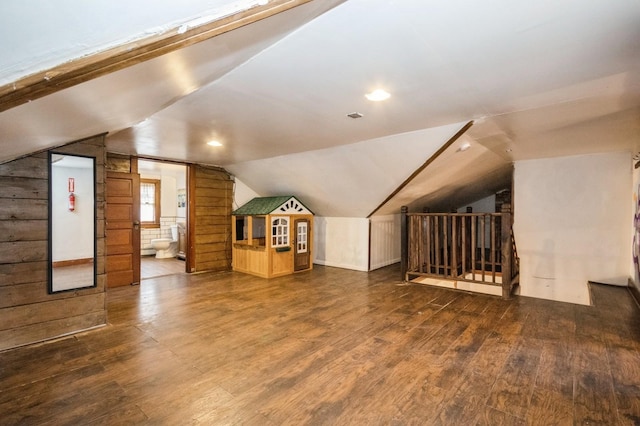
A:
(404, 244)
(506, 250)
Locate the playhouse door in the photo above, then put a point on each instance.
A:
(302, 255)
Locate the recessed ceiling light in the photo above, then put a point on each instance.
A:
(214, 143)
(378, 95)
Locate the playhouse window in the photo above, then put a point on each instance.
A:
(279, 232)
(241, 228)
(259, 231)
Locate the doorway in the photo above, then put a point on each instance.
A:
(302, 257)
(163, 218)
(149, 203)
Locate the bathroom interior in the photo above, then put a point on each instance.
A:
(163, 233)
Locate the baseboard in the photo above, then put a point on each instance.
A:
(383, 264)
(340, 265)
(633, 289)
(73, 262)
(53, 338)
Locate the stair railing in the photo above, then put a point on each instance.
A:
(473, 247)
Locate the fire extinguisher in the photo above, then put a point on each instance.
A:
(72, 202)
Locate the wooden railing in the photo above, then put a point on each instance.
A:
(473, 247)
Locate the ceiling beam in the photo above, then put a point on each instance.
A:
(419, 170)
(87, 68)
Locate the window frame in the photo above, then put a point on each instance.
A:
(302, 239)
(259, 230)
(245, 228)
(156, 222)
(284, 235)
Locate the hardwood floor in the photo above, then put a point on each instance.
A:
(150, 267)
(332, 347)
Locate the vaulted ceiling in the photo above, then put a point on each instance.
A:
(536, 79)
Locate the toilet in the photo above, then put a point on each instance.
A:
(166, 247)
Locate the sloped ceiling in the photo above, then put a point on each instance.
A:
(538, 79)
(130, 98)
(348, 180)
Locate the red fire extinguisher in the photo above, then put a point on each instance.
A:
(72, 202)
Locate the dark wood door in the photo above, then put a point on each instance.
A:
(302, 255)
(123, 229)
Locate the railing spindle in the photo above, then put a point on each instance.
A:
(482, 245)
(454, 246)
(429, 243)
(436, 234)
(492, 243)
(404, 241)
(507, 250)
(474, 246)
(445, 244)
(464, 245)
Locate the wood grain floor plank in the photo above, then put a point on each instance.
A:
(552, 398)
(491, 417)
(331, 346)
(594, 399)
(625, 368)
(511, 393)
(480, 353)
(126, 414)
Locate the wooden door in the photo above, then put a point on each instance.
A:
(302, 256)
(123, 229)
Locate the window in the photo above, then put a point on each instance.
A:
(259, 231)
(301, 245)
(150, 203)
(241, 229)
(279, 232)
(254, 224)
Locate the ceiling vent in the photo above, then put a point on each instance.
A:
(354, 115)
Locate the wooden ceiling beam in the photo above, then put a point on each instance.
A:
(96, 65)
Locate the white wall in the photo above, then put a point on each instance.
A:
(79, 222)
(385, 240)
(342, 242)
(168, 196)
(181, 186)
(571, 226)
(242, 194)
(485, 205)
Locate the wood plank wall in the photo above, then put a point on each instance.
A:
(28, 313)
(210, 218)
(118, 163)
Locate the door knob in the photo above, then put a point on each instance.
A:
(136, 225)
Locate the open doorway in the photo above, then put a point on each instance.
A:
(163, 218)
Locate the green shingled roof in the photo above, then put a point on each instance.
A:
(263, 205)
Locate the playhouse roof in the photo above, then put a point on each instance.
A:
(286, 204)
